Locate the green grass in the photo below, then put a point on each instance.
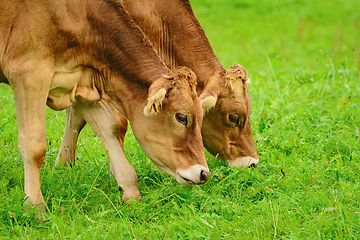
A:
(303, 60)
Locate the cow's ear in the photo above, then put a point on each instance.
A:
(248, 99)
(236, 73)
(209, 96)
(155, 99)
(207, 102)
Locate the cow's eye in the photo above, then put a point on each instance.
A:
(181, 118)
(234, 119)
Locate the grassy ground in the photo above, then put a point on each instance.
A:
(303, 59)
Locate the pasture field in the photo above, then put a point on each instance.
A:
(303, 58)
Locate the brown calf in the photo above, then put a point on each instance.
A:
(226, 128)
(90, 55)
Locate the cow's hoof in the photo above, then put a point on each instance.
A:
(38, 210)
(134, 194)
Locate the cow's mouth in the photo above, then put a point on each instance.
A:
(241, 162)
(195, 175)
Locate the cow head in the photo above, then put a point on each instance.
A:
(226, 128)
(169, 130)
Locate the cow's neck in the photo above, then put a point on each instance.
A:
(177, 36)
(134, 65)
(108, 53)
(123, 46)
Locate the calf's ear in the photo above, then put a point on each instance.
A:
(155, 99)
(207, 102)
(159, 89)
(156, 95)
(209, 96)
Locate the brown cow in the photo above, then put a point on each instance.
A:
(90, 55)
(226, 128)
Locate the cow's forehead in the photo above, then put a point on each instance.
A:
(232, 105)
(233, 90)
(181, 98)
(183, 91)
(233, 100)
(234, 79)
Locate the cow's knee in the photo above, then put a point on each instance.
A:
(33, 151)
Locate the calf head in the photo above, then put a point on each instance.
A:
(226, 128)
(169, 131)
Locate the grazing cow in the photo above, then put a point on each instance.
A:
(226, 128)
(90, 55)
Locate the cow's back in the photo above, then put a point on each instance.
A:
(176, 34)
(25, 26)
(8, 14)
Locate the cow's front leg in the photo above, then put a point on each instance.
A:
(111, 129)
(31, 91)
(74, 124)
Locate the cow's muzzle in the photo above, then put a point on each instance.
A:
(194, 175)
(243, 162)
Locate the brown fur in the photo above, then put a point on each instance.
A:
(83, 54)
(178, 38)
(235, 73)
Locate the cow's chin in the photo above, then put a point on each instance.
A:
(242, 162)
(176, 175)
(166, 169)
(194, 175)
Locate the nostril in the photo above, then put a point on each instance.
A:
(204, 176)
(253, 165)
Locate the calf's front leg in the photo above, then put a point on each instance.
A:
(111, 127)
(31, 91)
(74, 124)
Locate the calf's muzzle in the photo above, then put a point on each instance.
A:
(194, 175)
(241, 162)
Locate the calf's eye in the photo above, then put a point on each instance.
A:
(234, 118)
(181, 118)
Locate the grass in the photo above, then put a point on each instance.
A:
(303, 58)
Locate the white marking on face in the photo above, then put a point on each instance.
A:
(241, 162)
(192, 175)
